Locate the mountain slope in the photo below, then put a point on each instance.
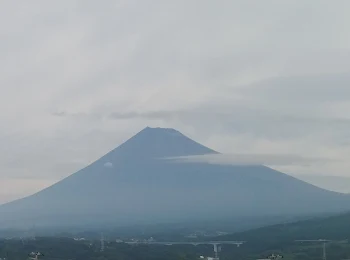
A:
(136, 183)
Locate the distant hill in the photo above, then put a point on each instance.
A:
(137, 183)
(334, 228)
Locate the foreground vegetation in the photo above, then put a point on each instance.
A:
(260, 243)
(64, 248)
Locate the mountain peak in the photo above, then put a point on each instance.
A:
(157, 142)
(160, 131)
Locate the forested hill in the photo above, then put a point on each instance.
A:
(334, 228)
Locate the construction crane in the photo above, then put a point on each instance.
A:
(324, 242)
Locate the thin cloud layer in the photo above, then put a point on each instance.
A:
(252, 159)
(240, 77)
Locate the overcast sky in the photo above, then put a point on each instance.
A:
(78, 77)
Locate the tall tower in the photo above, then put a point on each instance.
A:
(102, 243)
(217, 249)
(324, 257)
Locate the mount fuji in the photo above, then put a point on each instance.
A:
(138, 183)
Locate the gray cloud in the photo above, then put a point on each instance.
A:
(243, 119)
(253, 159)
(304, 89)
(146, 115)
(108, 165)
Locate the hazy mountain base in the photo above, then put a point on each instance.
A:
(160, 192)
(161, 232)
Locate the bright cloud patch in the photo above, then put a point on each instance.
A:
(108, 165)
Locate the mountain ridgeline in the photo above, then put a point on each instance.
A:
(137, 183)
